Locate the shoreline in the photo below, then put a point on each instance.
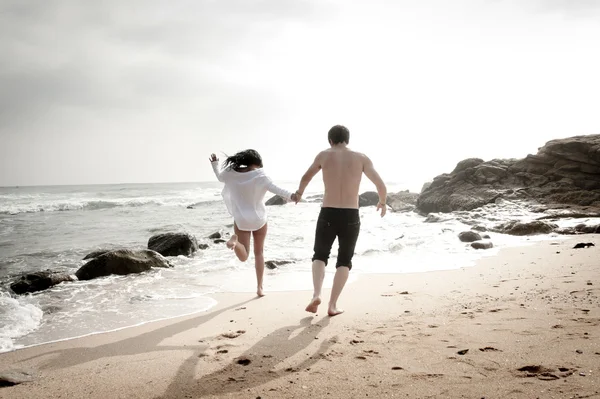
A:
(512, 300)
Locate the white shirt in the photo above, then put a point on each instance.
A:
(244, 195)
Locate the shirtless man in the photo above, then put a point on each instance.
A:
(342, 172)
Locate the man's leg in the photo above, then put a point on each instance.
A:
(347, 237)
(324, 238)
(339, 281)
(259, 258)
(318, 271)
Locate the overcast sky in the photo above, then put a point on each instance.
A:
(144, 90)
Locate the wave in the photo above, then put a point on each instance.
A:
(93, 205)
(16, 320)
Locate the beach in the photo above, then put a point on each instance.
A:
(522, 324)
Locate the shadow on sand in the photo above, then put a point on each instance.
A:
(254, 367)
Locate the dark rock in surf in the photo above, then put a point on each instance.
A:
(368, 198)
(122, 262)
(565, 171)
(39, 281)
(469, 236)
(516, 228)
(215, 235)
(482, 245)
(479, 228)
(276, 200)
(219, 241)
(403, 201)
(97, 253)
(173, 244)
(203, 246)
(272, 264)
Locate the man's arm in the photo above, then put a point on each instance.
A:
(310, 173)
(372, 175)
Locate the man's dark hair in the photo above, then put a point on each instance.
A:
(243, 159)
(339, 134)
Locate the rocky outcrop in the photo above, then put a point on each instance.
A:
(121, 262)
(39, 281)
(516, 228)
(96, 253)
(173, 244)
(565, 171)
(276, 200)
(469, 236)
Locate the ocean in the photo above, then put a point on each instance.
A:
(55, 227)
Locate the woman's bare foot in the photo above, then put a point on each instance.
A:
(334, 311)
(313, 305)
(260, 292)
(232, 241)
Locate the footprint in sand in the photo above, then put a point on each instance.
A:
(232, 335)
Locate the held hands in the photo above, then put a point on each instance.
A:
(213, 158)
(382, 207)
(296, 197)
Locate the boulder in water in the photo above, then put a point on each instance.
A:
(482, 245)
(516, 228)
(173, 244)
(469, 236)
(368, 198)
(39, 281)
(403, 201)
(276, 200)
(121, 262)
(215, 235)
(97, 253)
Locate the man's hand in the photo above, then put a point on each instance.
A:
(213, 158)
(382, 207)
(296, 197)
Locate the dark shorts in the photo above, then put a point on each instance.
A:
(343, 224)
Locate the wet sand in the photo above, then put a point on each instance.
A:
(523, 324)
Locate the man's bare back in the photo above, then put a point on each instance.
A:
(342, 173)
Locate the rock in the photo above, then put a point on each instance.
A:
(276, 200)
(426, 186)
(516, 228)
(369, 198)
(433, 218)
(469, 236)
(219, 241)
(403, 201)
(121, 262)
(190, 207)
(173, 244)
(479, 228)
(272, 264)
(14, 377)
(485, 236)
(203, 246)
(584, 229)
(215, 235)
(565, 171)
(39, 281)
(482, 245)
(97, 253)
(315, 199)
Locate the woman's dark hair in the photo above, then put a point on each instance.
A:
(243, 159)
(339, 134)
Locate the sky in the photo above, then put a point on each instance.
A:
(145, 90)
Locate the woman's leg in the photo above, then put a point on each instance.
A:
(240, 243)
(259, 258)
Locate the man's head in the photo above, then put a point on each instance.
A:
(339, 134)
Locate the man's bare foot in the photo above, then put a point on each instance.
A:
(313, 305)
(333, 311)
(260, 292)
(232, 241)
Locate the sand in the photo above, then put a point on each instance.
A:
(523, 324)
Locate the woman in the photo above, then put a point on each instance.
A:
(245, 187)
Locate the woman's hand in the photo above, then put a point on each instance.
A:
(213, 158)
